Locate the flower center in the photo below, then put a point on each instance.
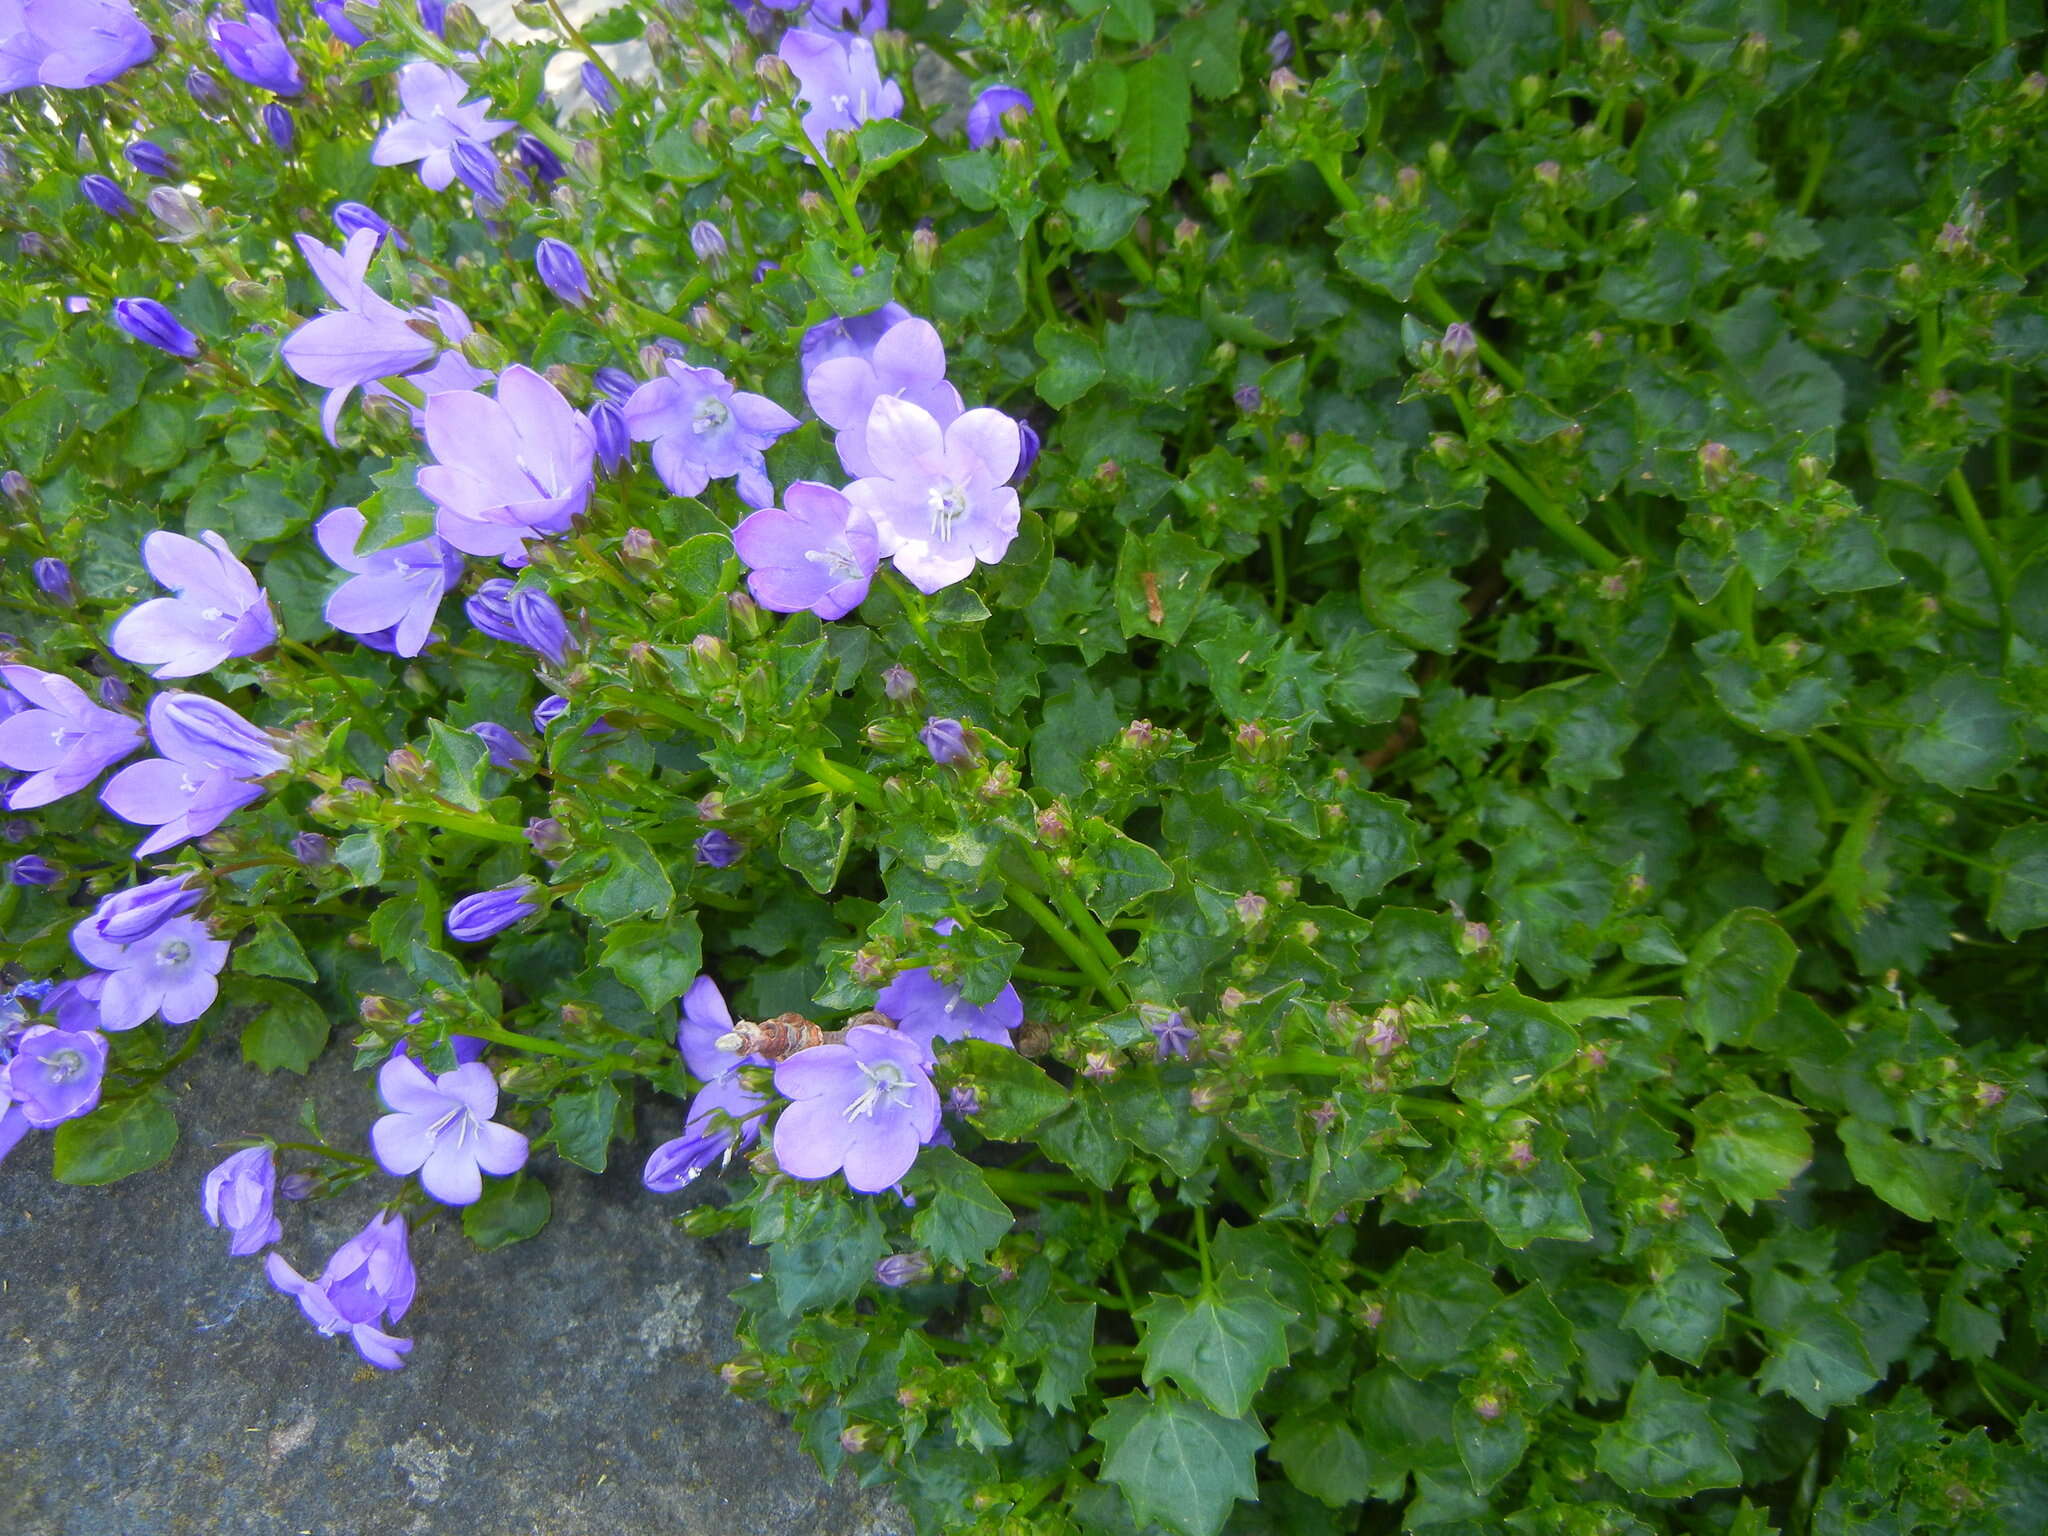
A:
(710, 415)
(175, 952)
(64, 1065)
(458, 1119)
(947, 504)
(838, 560)
(887, 1088)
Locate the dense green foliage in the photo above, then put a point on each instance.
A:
(1582, 788)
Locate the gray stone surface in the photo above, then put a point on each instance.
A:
(152, 1386)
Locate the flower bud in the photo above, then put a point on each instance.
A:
(708, 241)
(901, 1269)
(20, 491)
(461, 30)
(1717, 464)
(561, 268)
(312, 850)
(32, 869)
(53, 577)
(718, 849)
(105, 194)
(899, 683)
(947, 741)
(924, 249)
(406, 770)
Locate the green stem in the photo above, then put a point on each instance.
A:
(1551, 515)
(1046, 975)
(1995, 568)
(2013, 1379)
(581, 44)
(460, 821)
(1060, 934)
(1077, 911)
(324, 1151)
(1202, 1248)
(362, 714)
(1278, 555)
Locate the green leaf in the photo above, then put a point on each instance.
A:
(634, 883)
(1116, 871)
(1433, 1302)
(1736, 972)
(1208, 41)
(961, 1220)
(1817, 1357)
(1750, 1145)
(657, 960)
(1921, 1181)
(1101, 215)
(1220, 1345)
(844, 291)
(461, 759)
(2019, 892)
(1679, 1311)
(1160, 581)
(1153, 145)
(290, 1031)
(580, 1125)
(510, 1211)
(1073, 364)
(117, 1139)
(1015, 1094)
(1177, 1463)
(1667, 1444)
(1963, 734)
(881, 143)
(1323, 1457)
(273, 950)
(1371, 843)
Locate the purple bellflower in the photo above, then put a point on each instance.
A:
(562, 270)
(151, 158)
(217, 611)
(238, 1194)
(985, 117)
(510, 468)
(535, 155)
(398, 589)
(152, 324)
(54, 1074)
(105, 194)
(434, 16)
(53, 578)
(703, 430)
(864, 16)
(128, 917)
(939, 497)
(848, 336)
(816, 551)
(369, 1281)
(715, 849)
(538, 624)
(364, 338)
(608, 430)
(926, 1009)
(864, 1107)
(440, 1127)
(35, 870)
(436, 120)
(69, 44)
(350, 217)
(507, 751)
(205, 91)
(173, 970)
(280, 125)
(909, 361)
(725, 1116)
(210, 755)
(335, 14)
(1172, 1036)
(837, 82)
(946, 740)
(61, 739)
(253, 50)
(485, 914)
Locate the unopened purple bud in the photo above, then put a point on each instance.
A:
(434, 16)
(204, 89)
(716, 849)
(350, 217)
(136, 913)
(507, 751)
(547, 836)
(548, 711)
(708, 241)
(113, 692)
(1249, 397)
(54, 577)
(899, 683)
(964, 1100)
(298, 1185)
(490, 609)
(535, 155)
(615, 383)
(150, 158)
(614, 442)
(312, 850)
(277, 122)
(602, 93)
(18, 831)
(478, 168)
(33, 869)
(537, 624)
(1279, 49)
(1028, 444)
(151, 323)
(562, 270)
(946, 740)
(19, 490)
(900, 1269)
(489, 913)
(1460, 344)
(105, 194)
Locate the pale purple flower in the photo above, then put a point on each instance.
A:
(510, 468)
(848, 336)
(939, 496)
(54, 1074)
(901, 1269)
(204, 90)
(253, 50)
(210, 754)
(368, 1282)
(909, 361)
(364, 338)
(926, 1009)
(397, 589)
(817, 551)
(69, 44)
(717, 849)
(217, 609)
(173, 971)
(946, 740)
(151, 323)
(614, 441)
(61, 739)
(868, 16)
(129, 916)
(238, 1194)
(1172, 1036)
(985, 117)
(724, 1117)
(13, 1124)
(864, 1107)
(351, 217)
(74, 1004)
(436, 120)
(335, 14)
(838, 82)
(703, 430)
(440, 1127)
(1027, 455)
(507, 751)
(899, 683)
(486, 914)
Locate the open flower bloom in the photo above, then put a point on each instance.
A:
(436, 120)
(238, 1194)
(724, 1117)
(70, 44)
(369, 1281)
(396, 590)
(217, 611)
(939, 497)
(909, 362)
(865, 1107)
(59, 737)
(210, 755)
(440, 1127)
(926, 1009)
(364, 338)
(54, 1074)
(817, 551)
(847, 336)
(837, 82)
(703, 430)
(172, 970)
(510, 468)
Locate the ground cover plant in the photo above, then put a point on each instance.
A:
(1298, 745)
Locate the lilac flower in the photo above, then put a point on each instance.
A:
(608, 429)
(53, 579)
(447, 373)
(61, 739)
(603, 95)
(535, 155)
(440, 1127)
(54, 1074)
(865, 16)
(113, 692)
(562, 270)
(128, 917)
(32, 869)
(865, 1107)
(237, 1194)
(838, 81)
(436, 120)
(510, 468)
(926, 1009)
(817, 551)
(1279, 49)
(901, 1269)
(335, 14)
(477, 169)
(105, 194)
(946, 740)
(486, 914)
(1172, 1035)
(252, 50)
(548, 711)
(397, 589)
(72, 1004)
(365, 337)
(939, 497)
(278, 123)
(154, 325)
(724, 1117)
(615, 383)
(210, 754)
(963, 1101)
(351, 217)
(507, 751)
(538, 624)
(369, 1281)
(172, 971)
(908, 361)
(708, 241)
(703, 430)
(717, 849)
(217, 611)
(70, 44)
(985, 118)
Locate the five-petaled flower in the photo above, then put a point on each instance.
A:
(703, 430)
(509, 468)
(172, 970)
(70, 44)
(909, 361)
(394, 592)
(363, 338)
(57, 735)
(216, 611)
(864, 1107)
(816, 551)
(54, 1074)
(440, 1127)
(926, 1009)
(725, 1116)
(211, 756)
(939, 495)
(838, 82)
(436, 120)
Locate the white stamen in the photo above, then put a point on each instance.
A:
(947, 504)
(710, 415)
(887, 1088)
(838, 560)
